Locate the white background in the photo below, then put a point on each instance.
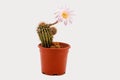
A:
(94, 37)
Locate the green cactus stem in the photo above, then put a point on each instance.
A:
(45, 34)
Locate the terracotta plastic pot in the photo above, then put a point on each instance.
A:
(53, 60)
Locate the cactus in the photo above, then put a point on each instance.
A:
(46, 31)
(53, 30)
(45, 35)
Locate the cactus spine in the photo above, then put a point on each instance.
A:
(45, 35)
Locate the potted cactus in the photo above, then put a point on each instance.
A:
(53, 54)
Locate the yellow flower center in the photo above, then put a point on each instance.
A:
(65, 15)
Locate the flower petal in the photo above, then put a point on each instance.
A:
(70, 21)
(60, 19)
(65, 22)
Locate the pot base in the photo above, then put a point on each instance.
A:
(54, 74)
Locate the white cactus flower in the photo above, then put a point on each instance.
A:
(64, 15)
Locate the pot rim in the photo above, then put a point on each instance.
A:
(68, 46)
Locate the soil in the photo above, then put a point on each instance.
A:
(56, 45)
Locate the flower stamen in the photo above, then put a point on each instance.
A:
(65, 15)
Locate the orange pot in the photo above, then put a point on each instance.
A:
(53, 60)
